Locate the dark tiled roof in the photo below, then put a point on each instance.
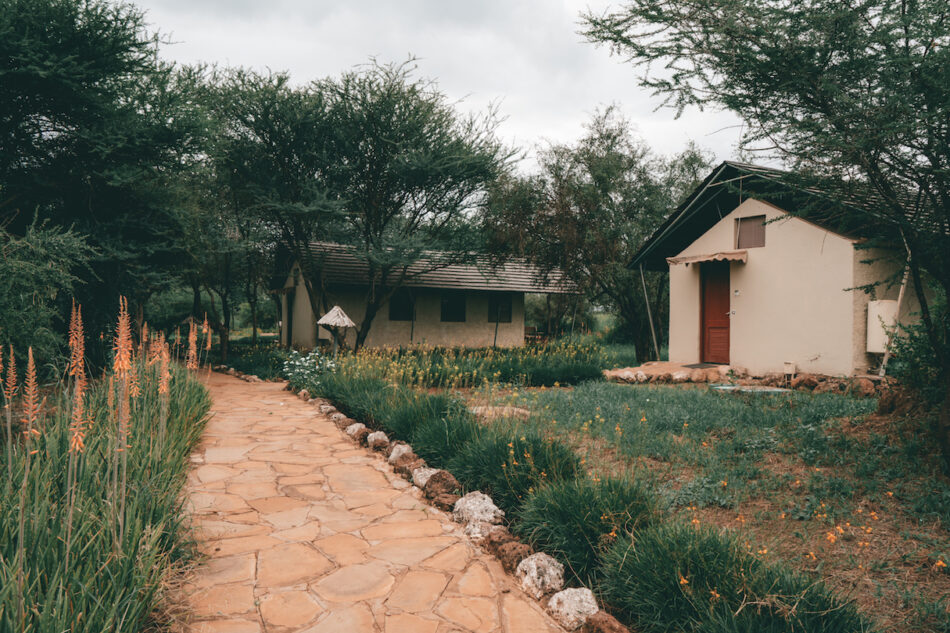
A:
(840, 208)
(341, 265)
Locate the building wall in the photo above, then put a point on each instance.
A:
(792, 299)
(428, 328)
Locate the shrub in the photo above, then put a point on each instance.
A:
(408, 409)
(439, 439)
(577, 520)
(306, 372)
(673, 577)
(117, 568)
(264, 360)
(359, 397)
(509, 466)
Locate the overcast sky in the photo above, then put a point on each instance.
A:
(525, 56)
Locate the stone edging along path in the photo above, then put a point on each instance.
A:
(303, 531)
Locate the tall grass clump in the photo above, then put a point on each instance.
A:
(509, 466)
(90, 520)
(563, 362)
(578, 520)
(675, 577)
(438, 439)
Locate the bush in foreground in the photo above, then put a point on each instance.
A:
(578, 520)
(673, 577)
(98, 534)
(439, 439)
(509, 466)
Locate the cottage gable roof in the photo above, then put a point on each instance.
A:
(730, 184)
(342, 265)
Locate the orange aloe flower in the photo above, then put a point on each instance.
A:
(31, 397)
(191, 358)
(77, 343)
(163, 374)
(123, 340)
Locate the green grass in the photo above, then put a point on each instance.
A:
(621, 535)
(577, 520)
(721, 436)
(509, 465)
(559, 362)
(111, 583)
(673, 577)
(264, 360)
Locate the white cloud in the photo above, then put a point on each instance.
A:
(524, 55)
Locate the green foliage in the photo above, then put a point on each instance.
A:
(264, 360)
(855, 96)
(110, 584)
(376, 159)
(563, 362)
(916, 362)
(673, 577)
(98, 132)
(577, 520)
(508, 466)
(37, 273)
(588, 212)
(409, 410)
(439, 439)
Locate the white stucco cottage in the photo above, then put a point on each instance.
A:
(755, 286)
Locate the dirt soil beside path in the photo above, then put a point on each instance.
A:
(303, 531)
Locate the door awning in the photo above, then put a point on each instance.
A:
(722, 256)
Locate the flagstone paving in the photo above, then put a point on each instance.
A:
(304, 531)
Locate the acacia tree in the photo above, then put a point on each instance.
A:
(588, 211)
(376, 160)
(95, 133)
(854, 93)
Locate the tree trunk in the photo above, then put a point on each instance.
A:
(225, 332)
(371, 310)
(254, 322)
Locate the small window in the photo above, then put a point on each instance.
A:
(402, 305)
(750, 232)
(453, 307)
(499, 307)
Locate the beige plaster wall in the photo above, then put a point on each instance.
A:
(305, 330)
(791, 300)
(428, 329)
(874, 266)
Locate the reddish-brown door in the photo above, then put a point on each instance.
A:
(714, 300)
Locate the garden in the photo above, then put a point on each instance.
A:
(681, 507)
(91, 523)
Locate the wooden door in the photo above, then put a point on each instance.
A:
(714, 301)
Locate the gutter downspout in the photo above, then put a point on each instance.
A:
(646, 300)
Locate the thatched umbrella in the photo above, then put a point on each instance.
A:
(335, 318)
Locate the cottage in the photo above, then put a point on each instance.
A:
(454, 305)
(754, 286)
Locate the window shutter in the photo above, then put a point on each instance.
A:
(751, 232)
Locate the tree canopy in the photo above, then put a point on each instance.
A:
(855, 94)
(376, 159)
(589, 210)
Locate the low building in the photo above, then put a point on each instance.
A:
(453, 305)
(756, 286)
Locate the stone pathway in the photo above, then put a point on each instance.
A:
(305, 531)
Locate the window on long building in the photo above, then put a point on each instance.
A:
(499, 307)
(402, 305)
(453, 307)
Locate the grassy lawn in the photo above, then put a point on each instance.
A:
(818, 481)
